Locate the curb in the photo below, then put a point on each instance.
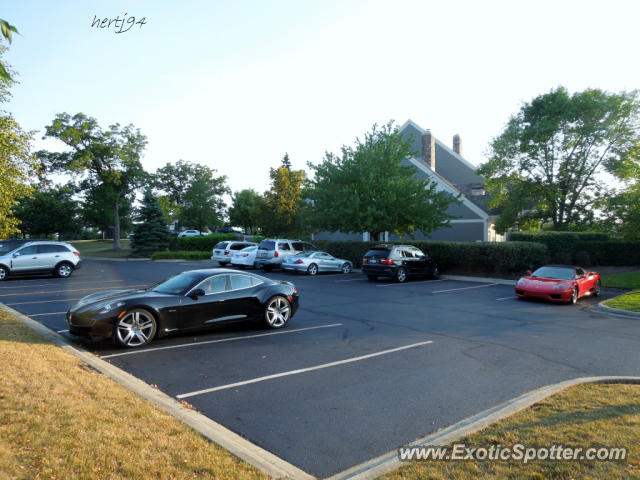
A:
(462, 278)
(617, 311)
(389, 461)
(261, 459)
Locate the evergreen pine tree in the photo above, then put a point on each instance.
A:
(152, 235)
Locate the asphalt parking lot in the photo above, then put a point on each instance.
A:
(363, 367)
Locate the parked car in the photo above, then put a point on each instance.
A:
(58, 258)
(559, 283)
(272, 251)
(399, 262)
(314, 262)
(189, 233)
(229, 230)
(223, 250)
(191, 300)
(245, 257)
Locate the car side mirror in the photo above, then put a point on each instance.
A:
(198, 292)
(16, 255)
(529, 272)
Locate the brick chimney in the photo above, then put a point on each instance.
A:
(429, 149)
(456, 144)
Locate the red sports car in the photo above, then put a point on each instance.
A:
(559, 283)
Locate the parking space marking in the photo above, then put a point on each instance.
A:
(62, 331)
(195, 344)
(43, 301)
(53, 281)
(506, 298)
(64, 291)
(411, 283)
(464, 288)
(352, 280)
(302, 370)
(44, 314)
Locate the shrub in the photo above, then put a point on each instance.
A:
(487, 257)
(203, 242)
(182, 255)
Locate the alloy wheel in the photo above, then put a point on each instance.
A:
(313, 269)
(574, 295)
(278, 312)
(64, 270)
(3, 273)
(136, 328)
(597, 290)
(401, 275)
(346, 268)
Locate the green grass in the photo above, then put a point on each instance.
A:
(102, 248)
(630, 280)
(629, 301)
(582, 416)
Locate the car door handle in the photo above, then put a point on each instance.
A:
(57, 256)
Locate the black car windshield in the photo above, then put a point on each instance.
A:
(178, 284)
(267, 245)
(557, 273)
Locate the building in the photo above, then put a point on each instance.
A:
(435, 161)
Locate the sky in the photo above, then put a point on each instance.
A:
(235, 84)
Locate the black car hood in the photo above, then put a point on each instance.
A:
(111, 294)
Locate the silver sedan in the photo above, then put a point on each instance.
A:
(314, 262)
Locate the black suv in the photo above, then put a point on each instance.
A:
(398, 262)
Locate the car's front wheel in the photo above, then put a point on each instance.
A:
(346, 268)
(574, 295)
(313, 269)
(435, 274)
(596, 291)
(277, 312)
(136, 328)
(4, 273)
(64, 270)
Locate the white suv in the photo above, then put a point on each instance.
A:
(58, 258)
(223, 251)
(272, 251)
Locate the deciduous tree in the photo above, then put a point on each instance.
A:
(368, 188)
(247, 210)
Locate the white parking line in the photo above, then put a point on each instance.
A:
(351, 280)
(411, 283)
(65, 291)
(44, 314)
(77, 281)
(464, 288)
(195, 344)
(43, 301)
(506, 298)
(301, 370)
(62, 331)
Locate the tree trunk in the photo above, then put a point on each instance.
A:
(116, 225)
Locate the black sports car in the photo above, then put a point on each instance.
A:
(191, 300)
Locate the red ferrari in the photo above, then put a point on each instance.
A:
(559, 283)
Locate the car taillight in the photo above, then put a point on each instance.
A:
(77, 254)
(295, 291)
(365, 260)
(299, 261)
(275, 254)
(245, 254)
(386, 261)
(226, 252)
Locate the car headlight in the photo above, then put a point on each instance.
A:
(110, 306)
(562, 286)
(522, 282)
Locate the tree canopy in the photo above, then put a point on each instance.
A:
(99, 157)
(368, 188)
(48, 211)
(283, 201)
(247, 210)
(550, 162)
(203, 203)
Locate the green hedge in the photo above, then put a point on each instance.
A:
(584, 248)
(183, 255)
(203, 242)
(486, 257)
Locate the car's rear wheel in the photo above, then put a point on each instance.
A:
(574, 295)
(346, 268)
(4, 273)
(435, 274)
(596, 291)
(136, 328)
(277, 312)
(313, 269)
(63, 270)
(372, 277)
(401, 275)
